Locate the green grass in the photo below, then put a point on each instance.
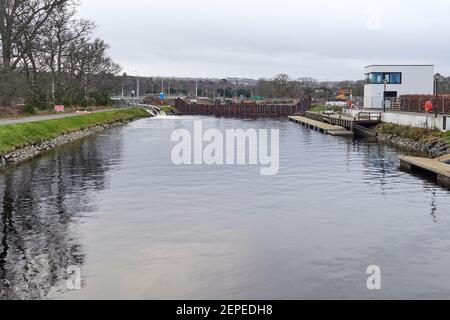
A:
(320, 109)
(447, 134)
(20, 135)
(408, 132)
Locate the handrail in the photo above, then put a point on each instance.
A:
(370, 113)
(438, 147)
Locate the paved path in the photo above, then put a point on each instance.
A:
(41, 118)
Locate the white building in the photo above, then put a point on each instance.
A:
(400, 79)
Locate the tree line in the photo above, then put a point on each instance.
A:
(280, 86)
(49, 56)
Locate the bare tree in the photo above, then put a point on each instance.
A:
(20, 24)
(84, 59)
(281, 85)
(305, 86)
(59, 35)
(50, 53)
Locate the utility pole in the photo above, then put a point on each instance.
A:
(137, 85)
(169, 93)
(235, 92)
(224, 90)
(162, 85)
(196, 86)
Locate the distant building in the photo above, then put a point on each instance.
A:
(400, 79)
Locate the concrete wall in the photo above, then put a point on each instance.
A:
(411, 119)
(417, 120)
(415, 80)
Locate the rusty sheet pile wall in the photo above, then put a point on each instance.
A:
(241, 110)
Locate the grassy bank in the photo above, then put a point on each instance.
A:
(20, 135)
(414, 133)
(320, 109)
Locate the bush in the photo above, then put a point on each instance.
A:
(89, 102)
(29, 109)
(99, 98)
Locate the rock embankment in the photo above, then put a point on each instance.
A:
(404, 143)
(30, 150)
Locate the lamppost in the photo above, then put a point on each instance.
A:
(385, 81)
(196, 85)
(170, 88)
(437, 78)
(196, 88)
(137, 85)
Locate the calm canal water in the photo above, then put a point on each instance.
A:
(141, 228)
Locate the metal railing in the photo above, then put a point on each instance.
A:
(371, 116)
(441, 105)
(438, 148)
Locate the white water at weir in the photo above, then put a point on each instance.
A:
(155, 111)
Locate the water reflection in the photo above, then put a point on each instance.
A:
(434, 208)
(38, 201)
(143, 228)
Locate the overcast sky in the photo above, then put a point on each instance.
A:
(324, 39)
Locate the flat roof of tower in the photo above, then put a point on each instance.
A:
(400, 65)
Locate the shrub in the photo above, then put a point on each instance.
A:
(29, 109)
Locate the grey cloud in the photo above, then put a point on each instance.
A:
(323, 38)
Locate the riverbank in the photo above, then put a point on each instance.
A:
(411, 138)
(20, 142)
